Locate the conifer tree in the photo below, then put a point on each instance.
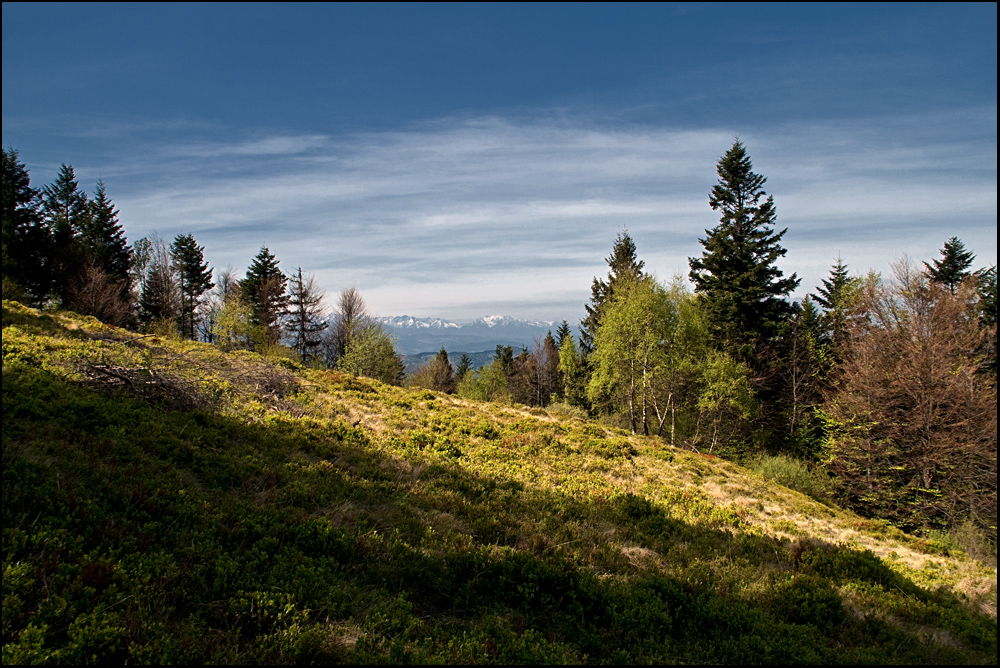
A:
(306, 320)
(464, 367)
(837, 297)
(264, 290)
(626, 268)
(562, 332)
(953, 267)
(104, 237)
(743, 289)
(66, 212)
(194, 278)
(160, 296)
(27, 242)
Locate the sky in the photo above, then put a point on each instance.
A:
(464, 160)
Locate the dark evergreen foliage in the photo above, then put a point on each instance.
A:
(464, 367)
(625, 268)
(836, 297)
(104, 237)
(194, 278)
(744, 291)
(27, 242)
(562, 332)
(953, 267)
(66, 211)
(264, 288)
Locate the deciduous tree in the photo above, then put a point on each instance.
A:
(912, 425)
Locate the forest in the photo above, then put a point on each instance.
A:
(201, 467)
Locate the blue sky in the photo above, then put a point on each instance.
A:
(465, 160)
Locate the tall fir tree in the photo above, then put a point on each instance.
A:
(104, 237)
(264, 289)
(66, 211)
(953, 267)
(194, 278)
(27, 241)
(306, 317)
(743, 290)
(625, 268)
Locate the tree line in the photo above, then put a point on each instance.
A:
(884, 385)
(65, 249)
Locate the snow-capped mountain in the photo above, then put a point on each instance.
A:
(407, 321)
(419, 335)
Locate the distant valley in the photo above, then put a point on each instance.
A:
(426, 335)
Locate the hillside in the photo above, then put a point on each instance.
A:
(166, 502)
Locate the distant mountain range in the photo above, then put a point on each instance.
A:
(422, 335)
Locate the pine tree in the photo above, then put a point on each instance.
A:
(264, 289)
(104, 237)
(194, 278)
(66, 212)
(953, 267)
(626, 268)
(306, 320)
(743, 289)
(27, 242)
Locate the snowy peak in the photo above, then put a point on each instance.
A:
(407, 321)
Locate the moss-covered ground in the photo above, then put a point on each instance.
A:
(166, 502)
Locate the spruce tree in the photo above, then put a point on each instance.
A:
(626, 268)
(837, 297)
(264, 289)
(744, 292)
(66, 212)
(27, 242)
(464, 367)
(953, 267)
(194, 278)
(562, 332)
(104, 237)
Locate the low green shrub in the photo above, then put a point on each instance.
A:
(797, 475)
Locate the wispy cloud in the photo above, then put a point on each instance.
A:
(450, 218)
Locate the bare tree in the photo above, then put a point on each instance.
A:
(351, 315)
(95, 293)
(913, 423)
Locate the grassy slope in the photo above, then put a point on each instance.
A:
(165, 502)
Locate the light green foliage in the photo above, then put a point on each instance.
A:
(234, 327)
(796, 475)
(202, 506)
(488, 383)
(372, 353)
(629, 353)
(726, 396)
